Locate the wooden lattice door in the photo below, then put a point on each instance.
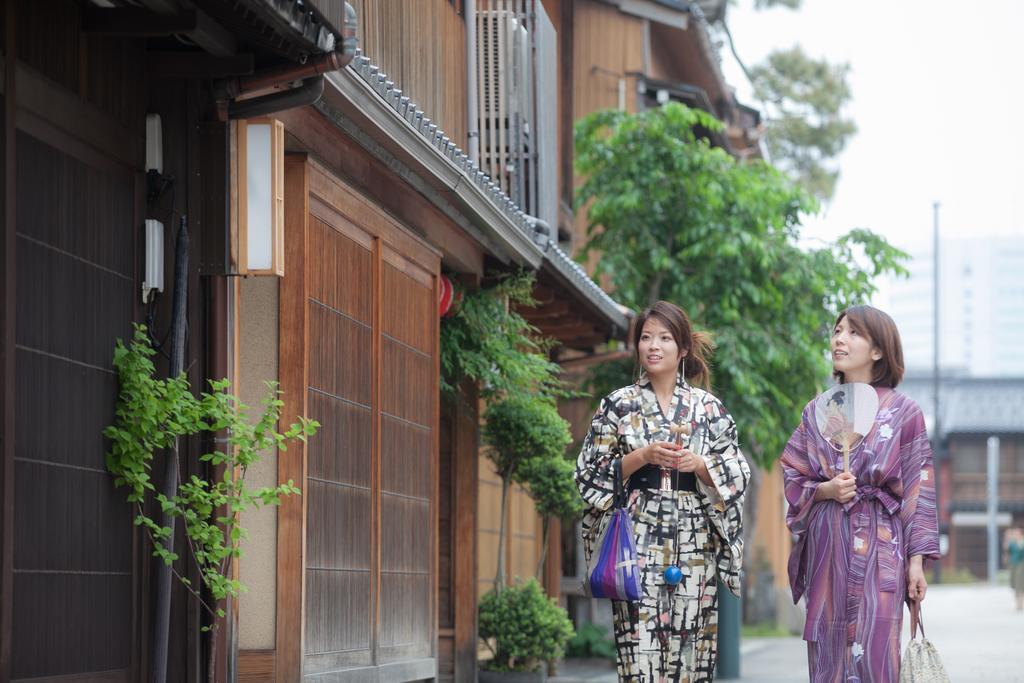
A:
(370, 352)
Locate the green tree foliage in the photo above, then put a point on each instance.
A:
(523, 628)
(806, 128)
(151, 415)
(674, 218)
(550, 482)
(488, 343)
(521, 428)
(592, 640)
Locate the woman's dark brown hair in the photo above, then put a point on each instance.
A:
(880, 329)
(697, 345)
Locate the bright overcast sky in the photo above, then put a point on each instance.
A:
(938, 102)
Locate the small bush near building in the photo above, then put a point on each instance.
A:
(523, 627)
(591, 640)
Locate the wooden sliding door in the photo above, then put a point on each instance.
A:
(360, 355)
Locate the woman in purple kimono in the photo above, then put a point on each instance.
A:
(861, 537)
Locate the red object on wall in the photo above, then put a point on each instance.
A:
(449, 298)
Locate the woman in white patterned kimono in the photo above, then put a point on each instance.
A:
(670, 635)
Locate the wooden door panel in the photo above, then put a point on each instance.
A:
(405, 615)
(341, 269)
(405, 535)
(408, 309)
(342, 449)
(409, 391)
(339, 353)
(372, 344)
(340, 541)
(405, 457)
(329, 595)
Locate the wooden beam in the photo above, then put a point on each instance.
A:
(585, 342)
(594, 359)
(553, 560)
(343, 156)
(136, 21)
(139, 22)
(293, 367)
(465, 464)
(569, 329)
(198, 65)
(556, 309)
(257, 666)
(47, 109)
(543, 295)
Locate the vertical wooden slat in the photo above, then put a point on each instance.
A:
(217, 361)
(566, 39)
(7, 341)
(435, 455)
(291, 516)
(553, 561)
(466, 452)
(378, 373)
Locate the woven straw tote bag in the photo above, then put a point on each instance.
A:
(921, 663)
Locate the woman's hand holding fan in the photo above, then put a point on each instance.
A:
(844, 415)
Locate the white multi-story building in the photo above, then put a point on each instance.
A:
(981, 307)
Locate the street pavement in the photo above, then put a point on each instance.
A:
(977, 632)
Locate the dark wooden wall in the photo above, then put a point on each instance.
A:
(75, 587)
(74, 582)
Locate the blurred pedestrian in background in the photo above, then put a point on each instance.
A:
(1014, 543)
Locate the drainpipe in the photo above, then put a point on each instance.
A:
(311, 74)
(472, 115)
(310, 92)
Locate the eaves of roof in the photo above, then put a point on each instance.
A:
(365, 95)
(972, 405)
(673, 13)
(291, 29)
(703, 30)
(572, 275)
(362, 95)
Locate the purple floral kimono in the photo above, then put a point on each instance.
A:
(850, 560)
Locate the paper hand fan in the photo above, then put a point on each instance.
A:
(845, 414)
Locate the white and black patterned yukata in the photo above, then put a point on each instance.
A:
(699, 531)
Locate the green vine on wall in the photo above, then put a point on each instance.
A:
(490, 344)
(152, 414)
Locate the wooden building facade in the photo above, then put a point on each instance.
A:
(372, 573)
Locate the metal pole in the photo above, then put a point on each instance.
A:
(936, 336)
(162, 579)
(472, 113)
(728, 633)
(993, 507)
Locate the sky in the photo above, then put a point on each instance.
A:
(937, 100)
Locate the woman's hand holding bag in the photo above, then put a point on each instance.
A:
(615, 574)
(921, 663)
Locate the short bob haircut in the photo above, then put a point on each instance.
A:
(697, 345)
(878, 327)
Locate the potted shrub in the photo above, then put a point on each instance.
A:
(524, 629)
